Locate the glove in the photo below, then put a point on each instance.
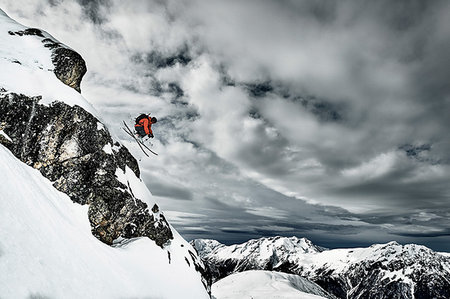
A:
(150, 135)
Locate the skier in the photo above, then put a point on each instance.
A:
(143, 125)
(143, 128)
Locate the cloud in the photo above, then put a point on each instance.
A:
(166, 189)
(269, 212)
(289, 108)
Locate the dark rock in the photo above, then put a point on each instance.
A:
(28, 31)
(70, 67)
(66, 145)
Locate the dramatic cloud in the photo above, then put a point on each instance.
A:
(309, 118)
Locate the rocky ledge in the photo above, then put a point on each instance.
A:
(70, 67)
(71, 148)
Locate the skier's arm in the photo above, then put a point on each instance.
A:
(148, 128)
(146, 125)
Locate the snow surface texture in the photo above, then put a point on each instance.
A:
(47, 249)
(265, 285)
(26, 67)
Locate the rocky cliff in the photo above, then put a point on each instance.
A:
(74, 150)
(68, 144)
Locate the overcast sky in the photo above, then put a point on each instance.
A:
(320, 119)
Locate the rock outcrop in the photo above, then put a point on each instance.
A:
(70, 67)
(75, 151)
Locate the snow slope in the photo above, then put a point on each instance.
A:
(47, 249)
(265, 285)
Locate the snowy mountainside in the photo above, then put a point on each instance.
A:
(264, 253)
(259, 284)
(48, 251)
(261, 250)
(380, 271)
(84, 185)
(51, 128)
(393, 270)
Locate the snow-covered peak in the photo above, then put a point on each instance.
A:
(263, 253)
(29, 64)
(206, 246)
(341, 260)
(261, 249)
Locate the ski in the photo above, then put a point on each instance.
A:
(139, 142)
(136, 142)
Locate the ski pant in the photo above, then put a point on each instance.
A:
(140, 131)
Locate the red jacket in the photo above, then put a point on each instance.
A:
(147, 124)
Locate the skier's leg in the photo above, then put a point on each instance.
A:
(140, 131)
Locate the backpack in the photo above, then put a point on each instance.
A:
(140, 117)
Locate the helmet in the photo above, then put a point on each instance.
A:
(154, 120)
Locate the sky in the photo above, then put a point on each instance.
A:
(318, 119)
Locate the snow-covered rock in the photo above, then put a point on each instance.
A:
(64, 144)
(36, 64)
(380, 271)
(258, 284)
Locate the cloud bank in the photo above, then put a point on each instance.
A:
(324, 120)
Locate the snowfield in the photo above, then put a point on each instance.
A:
(47, 249)
(265, 285)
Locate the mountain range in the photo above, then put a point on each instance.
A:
(380, 271)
